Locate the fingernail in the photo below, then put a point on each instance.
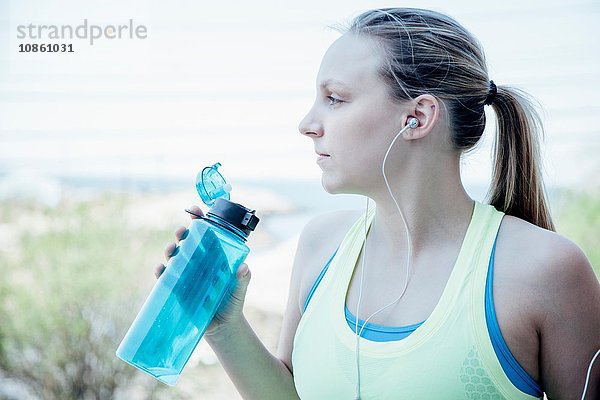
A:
(246, 272)
(193, 213)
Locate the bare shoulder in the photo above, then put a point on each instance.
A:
(320, 238)
(319, 228)
(544, 258)
(547, 252)
(560, 267)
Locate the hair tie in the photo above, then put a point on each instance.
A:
(491, 94)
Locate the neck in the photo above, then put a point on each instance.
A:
(436, 208)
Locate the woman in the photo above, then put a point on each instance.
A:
(463, 300)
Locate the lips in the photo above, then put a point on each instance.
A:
(321, 157)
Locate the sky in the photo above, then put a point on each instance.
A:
(231, 82)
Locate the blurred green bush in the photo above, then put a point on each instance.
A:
(67, 298)
(577, 217)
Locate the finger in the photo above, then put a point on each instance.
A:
(243, 275)
(169, 249)
(180, 232)
(243, 272)
(160, 268)
(196, 210)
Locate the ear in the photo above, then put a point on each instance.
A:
(426, 109)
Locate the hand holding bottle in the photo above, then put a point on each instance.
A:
(229, 312)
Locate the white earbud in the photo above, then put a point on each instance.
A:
(412, 123)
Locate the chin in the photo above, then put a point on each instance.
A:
(327, 185)
(333, 187)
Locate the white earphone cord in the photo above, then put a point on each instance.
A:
(412, 124)
(587, 378)
(357, 397)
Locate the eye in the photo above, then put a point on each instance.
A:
(333, 100)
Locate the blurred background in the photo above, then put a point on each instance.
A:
(99, 150)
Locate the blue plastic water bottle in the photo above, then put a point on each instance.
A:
(196, 280)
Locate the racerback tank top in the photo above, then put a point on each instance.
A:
(449, 356)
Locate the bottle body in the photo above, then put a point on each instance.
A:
(184, 301)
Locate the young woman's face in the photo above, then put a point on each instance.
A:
(352, 120)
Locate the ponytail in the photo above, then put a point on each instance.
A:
(517, 188)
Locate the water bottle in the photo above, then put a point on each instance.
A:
(195, 281)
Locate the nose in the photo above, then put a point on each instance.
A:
(310, 126)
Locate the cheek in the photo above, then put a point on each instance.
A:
(358, 136)
(364, 134)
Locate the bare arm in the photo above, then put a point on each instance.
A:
(256, 373)
(570, 325)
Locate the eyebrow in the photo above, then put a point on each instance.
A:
(327, 82)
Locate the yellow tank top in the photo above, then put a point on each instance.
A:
(450, 356)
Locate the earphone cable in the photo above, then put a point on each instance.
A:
(358, 334)
(587, 377)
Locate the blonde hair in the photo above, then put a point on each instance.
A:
(428, 52)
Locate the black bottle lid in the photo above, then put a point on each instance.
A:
(235, 214)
